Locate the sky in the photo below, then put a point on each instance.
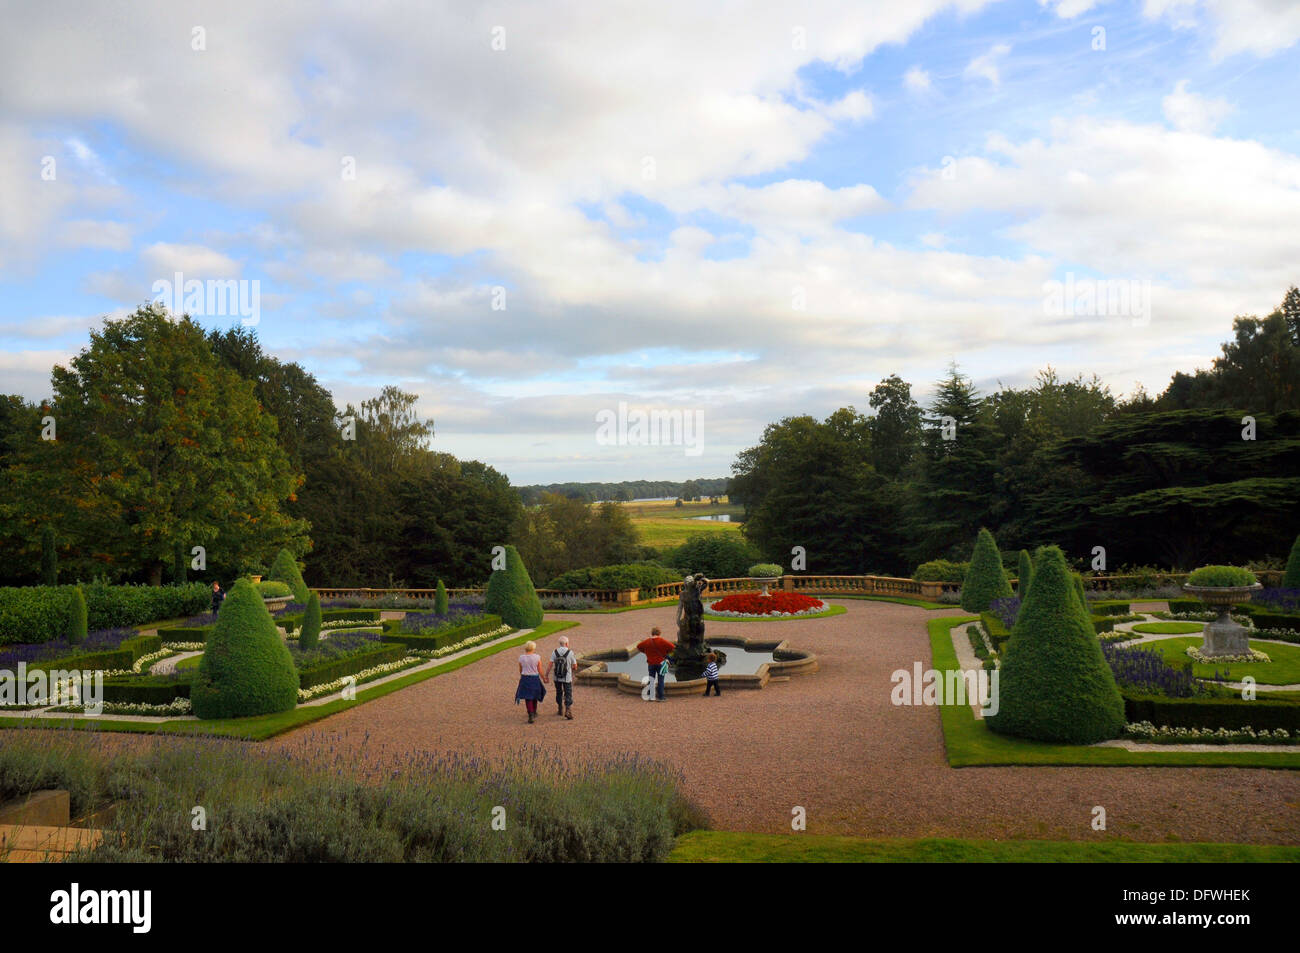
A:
(541, 215)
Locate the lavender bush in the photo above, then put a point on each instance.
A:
(1278, 600)
(1006, 609)
(105, 640)
(1147, 671)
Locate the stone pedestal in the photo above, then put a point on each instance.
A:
(1224, 637)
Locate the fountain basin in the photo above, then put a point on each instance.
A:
(751, 664)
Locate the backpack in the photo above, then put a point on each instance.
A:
(562, 666)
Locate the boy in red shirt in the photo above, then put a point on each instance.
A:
(656, 651)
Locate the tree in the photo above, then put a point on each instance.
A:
(716, 555)
(510, 594)
(246, 668)
(180, 564)
(1054, 683)
(895, 428)
(985, 579)
(1024, 574)
(285, 570)
(49, 558)
(561, 534)
(309, 634)
(157, 442)
(1291, 578)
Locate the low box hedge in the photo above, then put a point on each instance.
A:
(998, 633)
(198, 633)
(348, 665)
(1211, 712)
(112, 660)
(291, 623)
(145, 690)
(141, 645)
(443, 639)
(1109, 607)
(40, 613)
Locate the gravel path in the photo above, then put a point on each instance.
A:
(167, 666)
(832, 743)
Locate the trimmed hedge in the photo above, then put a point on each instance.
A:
(246, 668)
(941, 570)
(290, 623)
(1055, 684)
(1212, 712)
(146, 690)
(33, 614)
(77, 618)
(1024, 573)
(110, 660)
(311, 622)
(348, 665)
(198, 633)
(440, 599)
(1109, 607)
(510, 594)
(619, 576)
(986, 580)
(442, 639)
(285, 570)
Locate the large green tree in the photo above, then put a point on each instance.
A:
(160, 444)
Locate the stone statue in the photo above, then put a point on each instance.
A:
(690, 617)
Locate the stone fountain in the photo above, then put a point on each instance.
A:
(688, 659)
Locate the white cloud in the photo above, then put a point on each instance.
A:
(1192, 113)
(1069, 9)
(163, 259)
(89, 233)
(986, 65)
(917, 80)
(1258, 27)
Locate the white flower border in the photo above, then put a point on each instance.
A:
(1145, 729)
(1197, 655)
(464, 643)
(365, 675)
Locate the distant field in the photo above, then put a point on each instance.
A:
(663, 525)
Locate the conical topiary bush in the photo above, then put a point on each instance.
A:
(440, 599)
(309, 635)
(1054, 683)
(285, 570)
(510, 594)
(1291, 578)
(1081, 593)
(1024, 574)
(77, 618)
(985, 580)
(246, 669)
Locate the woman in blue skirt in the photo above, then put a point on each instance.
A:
(530, 689)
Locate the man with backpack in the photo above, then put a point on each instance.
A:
(562, 662)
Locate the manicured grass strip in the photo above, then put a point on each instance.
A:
(970, 743)
(261, 727)
(192, 662)
(1168, 628)
(833, 610)
(900, 600)
(721, 847)
(1284, 669)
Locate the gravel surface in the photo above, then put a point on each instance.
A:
(831, 742)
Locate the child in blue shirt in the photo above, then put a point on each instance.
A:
(711, 675)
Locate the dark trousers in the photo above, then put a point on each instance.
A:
(712, 683)
(564, 695)
(657, 675)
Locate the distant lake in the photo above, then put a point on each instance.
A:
(720, 518)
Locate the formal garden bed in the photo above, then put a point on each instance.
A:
(773, 606)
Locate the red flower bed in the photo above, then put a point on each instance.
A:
(753, 603)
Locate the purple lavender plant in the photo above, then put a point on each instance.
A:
(1147, 671)
(1006, 609)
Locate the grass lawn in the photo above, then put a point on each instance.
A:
(656, 604)
(1168, 628)
(261, 727)
(832, 610)
(189, 663)
(901, 600)
(969, 742)
(1284, 669)
(666, 532)
(727, 847)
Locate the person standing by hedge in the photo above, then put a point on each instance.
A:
(562, 661)
(217, 597)
(656, 650)
(530, 689)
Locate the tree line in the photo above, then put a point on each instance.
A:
(1209, 470)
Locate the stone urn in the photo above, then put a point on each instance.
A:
(1223, 637)
(766, 581)
(276, 603)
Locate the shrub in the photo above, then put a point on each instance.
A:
(1024, 573)
(327, 670)
(50, 558)
(1211, 712)
(1221, 576)
(311, 620)
(273, 589)
(291, 621)
(285, 569)
(77, 620)
(941, 570)
(440, 599)
(765, 570)
(510, 594)
(1291, 577)
(439, 638)
(1055, 684)
(985, 580)
(41, 613)
(618, 576)
(246, 669)
(716, 555)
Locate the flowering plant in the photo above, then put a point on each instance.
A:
(774, 604)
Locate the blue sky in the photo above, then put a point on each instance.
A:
(743, 214)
